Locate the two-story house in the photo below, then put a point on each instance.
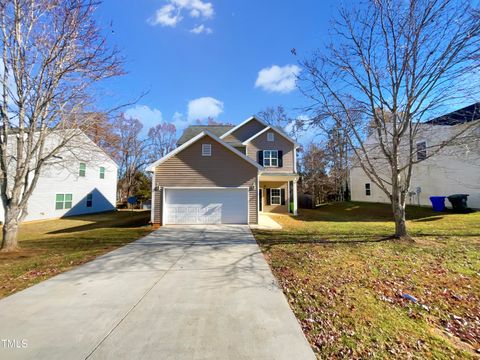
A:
(223, 174)
(80, 179)
(455, 169)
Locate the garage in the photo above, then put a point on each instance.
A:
(205, 206)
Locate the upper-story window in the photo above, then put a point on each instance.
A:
(421, 151)
(83, 169)
(368, 189)
(102, 172)
(270, 136)
(206, 149)
(270, 158)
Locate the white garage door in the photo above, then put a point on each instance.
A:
(206, 206)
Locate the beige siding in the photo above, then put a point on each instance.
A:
(245, 132)
(274, 208)
(190, 169)
(280, 143)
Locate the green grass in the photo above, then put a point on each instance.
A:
(344, 280)
(50, 247)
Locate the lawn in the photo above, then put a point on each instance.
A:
(348, 283)
(54, 246)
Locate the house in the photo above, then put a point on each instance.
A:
(222, 174)
(80, 179)
(454, 170)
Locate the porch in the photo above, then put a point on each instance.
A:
(278, 193)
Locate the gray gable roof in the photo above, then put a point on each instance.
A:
(460, 116)
(194, 130)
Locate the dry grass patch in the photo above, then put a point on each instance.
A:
(346, 283)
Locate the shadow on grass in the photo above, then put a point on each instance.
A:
(367, 212)
(124, 219)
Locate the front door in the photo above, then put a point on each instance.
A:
(260, 199)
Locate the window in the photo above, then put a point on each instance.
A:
(275, 197)
(63, 201)
(206, 150)
(89, 200)
(102, 172)
(421, 151)
(270, 158)
(270, 136)
(368, 191)
(83, 169)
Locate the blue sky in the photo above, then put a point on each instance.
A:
(198, 58)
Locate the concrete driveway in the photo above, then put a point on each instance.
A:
(190, 292)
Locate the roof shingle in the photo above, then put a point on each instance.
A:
(194, 130)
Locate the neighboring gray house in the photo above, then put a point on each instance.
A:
(455, 169)
(225, 174)
(80, 179)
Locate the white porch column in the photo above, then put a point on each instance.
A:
(295, 212)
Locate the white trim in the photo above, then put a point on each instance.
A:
(295, 160)
(274, 129)
(295, 199)
(258, 198)
(152, 208)
(174, 152)
(163, 206)
(288, 197)
(241, 124)
(248, 206)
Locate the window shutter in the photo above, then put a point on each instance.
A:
(280, 158)
(260, 157)
(282, 195)
(268, 196)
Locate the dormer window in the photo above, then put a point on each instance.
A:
(206, 149)
(270, 136)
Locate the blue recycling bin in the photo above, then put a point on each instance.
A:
(438, 203)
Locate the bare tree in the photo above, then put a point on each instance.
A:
(392, 65)
(275, 116)
(162, 139)
(132, 155)
(52, 52)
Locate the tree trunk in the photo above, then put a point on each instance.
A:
(399, 217)
(398, 206)
(9, 232)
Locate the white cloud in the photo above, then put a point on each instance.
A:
(201, 29)
(204, 107)
(149, 117)
(278, 78)
(167, 15)
(170, 14)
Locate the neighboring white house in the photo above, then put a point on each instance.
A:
(454, 170)
(80, 179)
